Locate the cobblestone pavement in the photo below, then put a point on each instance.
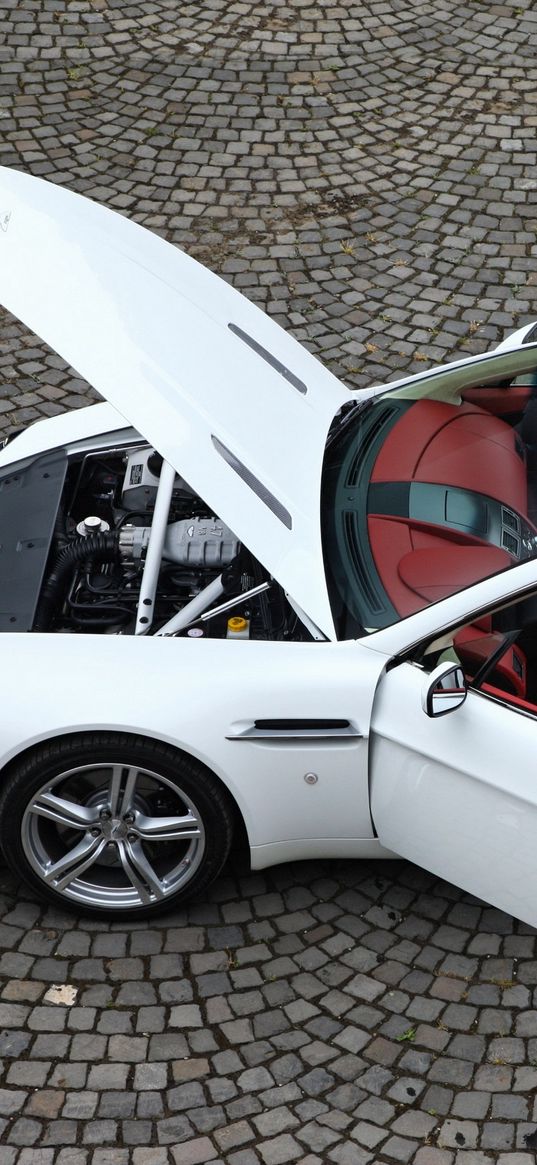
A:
(367, 173)
(334, 1012)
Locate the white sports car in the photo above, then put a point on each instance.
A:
(239, 599)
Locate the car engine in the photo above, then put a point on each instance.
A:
(135, 551)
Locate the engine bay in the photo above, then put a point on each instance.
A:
(120, 544)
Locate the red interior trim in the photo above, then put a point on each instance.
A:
(500, 401)
(508, 698)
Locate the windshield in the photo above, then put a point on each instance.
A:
(425, 493)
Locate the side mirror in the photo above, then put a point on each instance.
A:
(445, 690)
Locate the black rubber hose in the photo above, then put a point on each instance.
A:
(100, 547)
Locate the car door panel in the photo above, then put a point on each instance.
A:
(457, 794)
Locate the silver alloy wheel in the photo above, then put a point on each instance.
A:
(113, 836)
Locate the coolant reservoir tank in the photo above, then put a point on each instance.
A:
(238, 628)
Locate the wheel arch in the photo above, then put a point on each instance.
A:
(240, 832)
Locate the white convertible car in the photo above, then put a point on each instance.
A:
(240, 600)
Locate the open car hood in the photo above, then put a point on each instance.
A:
(234, 403)
(239, 408)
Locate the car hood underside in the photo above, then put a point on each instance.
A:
(233, 402)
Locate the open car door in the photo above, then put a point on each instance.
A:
(457, 793)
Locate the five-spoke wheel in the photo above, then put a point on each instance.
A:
(114, 824)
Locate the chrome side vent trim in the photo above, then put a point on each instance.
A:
(288, 730)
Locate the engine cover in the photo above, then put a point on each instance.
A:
(200, 542)
(192, 542)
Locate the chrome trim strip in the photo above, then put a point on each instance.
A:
(290, 734)
(270, 359)
(253, 482)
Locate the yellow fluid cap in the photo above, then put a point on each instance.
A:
(237, 623)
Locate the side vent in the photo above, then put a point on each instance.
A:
(291, 725)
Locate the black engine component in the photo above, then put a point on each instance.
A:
(94, 548)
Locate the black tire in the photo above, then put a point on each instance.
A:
(151, 826)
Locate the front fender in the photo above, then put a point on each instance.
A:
(194, 695)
